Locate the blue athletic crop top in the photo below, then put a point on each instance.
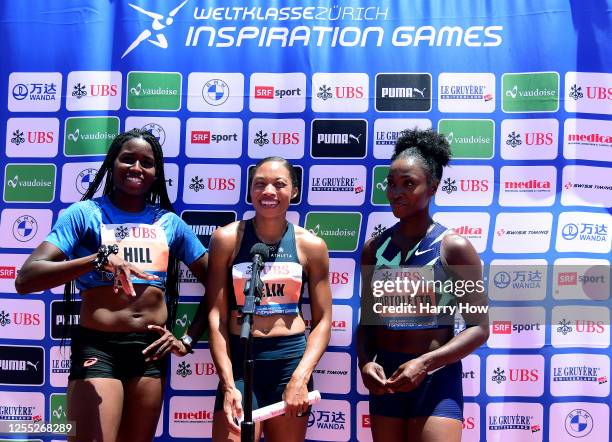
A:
(282, 275)
(145, 239)
(425, 309)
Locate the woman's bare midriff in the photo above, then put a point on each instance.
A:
(104, 310)
(416, 342)
(269, 326)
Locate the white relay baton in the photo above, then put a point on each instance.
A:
(278, 408)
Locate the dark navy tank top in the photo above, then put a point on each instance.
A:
(282, 275)
(414, 305)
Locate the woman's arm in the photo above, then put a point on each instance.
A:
(372, 374)
(222, 246)
(199, 323)
(464, 263)
(317, 268)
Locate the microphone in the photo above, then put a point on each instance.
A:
(259, 253)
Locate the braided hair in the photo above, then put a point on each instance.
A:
(428, 146)
(158, 195)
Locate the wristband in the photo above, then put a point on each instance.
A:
(187, 341)
(104, 252)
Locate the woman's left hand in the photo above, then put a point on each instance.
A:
(407, 377)
(296, 397)
(165, 344)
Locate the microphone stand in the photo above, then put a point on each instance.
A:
(252, 290)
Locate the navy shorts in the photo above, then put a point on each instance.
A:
(275, 361)
(440, 393)
(115, 355)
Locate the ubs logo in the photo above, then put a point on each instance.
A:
(403, 92)
(25, 228)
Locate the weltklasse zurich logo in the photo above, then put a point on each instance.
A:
(154, 34)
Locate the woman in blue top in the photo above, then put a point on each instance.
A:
(122, 251)
(409, 357)
(284, 359)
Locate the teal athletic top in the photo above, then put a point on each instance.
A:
(421, 305)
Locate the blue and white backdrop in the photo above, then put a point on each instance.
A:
(522, 90)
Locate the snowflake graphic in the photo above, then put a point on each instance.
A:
(5, 318)
(261, 138)
(514, 139)
(576, 92)
(568, 185)
(378, 230)
(79, 91)
(197, 183)
(450, 186)
(564, 327)
(324, 93)
(17, 137)
(498, 375)
(122, 232)
(184, 369)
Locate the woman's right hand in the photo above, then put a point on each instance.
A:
(374, 378)
(232, 408)
(123, 271)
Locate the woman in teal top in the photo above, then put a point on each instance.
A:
(409, 356)
(122, 250)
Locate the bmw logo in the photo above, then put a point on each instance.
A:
(579, 423)
(215, 92)
(84, 179)
(157, 131)
(569, 231)
(25, 228)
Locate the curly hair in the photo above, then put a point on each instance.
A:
(158, 195)
(428, 146)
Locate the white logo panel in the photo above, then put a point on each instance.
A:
(471, 422)
(517, 327)
(364, 422)
(328, 185)
(59, 360)
(471, 375)
(529, 139)
(342, 324)
(588, 92)
(580, 231)
(24, 228)
(34, 91)
(276, 137)
(76, 179)
(378, 222)
(586, 186)
(522, 232)
(342, 277)
(10, 265)
(515, 375)
(167, 130)
(466, 92)
(211, 184)
(215, 92)
(191, 416)
(93, 90)
(580, 326)
(580, 374)
(587, 139)
(474, 226)
(517, 279)
(581, 278)
(345, 93)
(333, 373)
(32, 137)
(277, 93)
(387, 130)
(329, 420)
(22, 319)
(195, 371)
(523, 186)
(466, 186)
(18, 406)
(514, 422)
(583, 421)
(171, 173)
(214, 138)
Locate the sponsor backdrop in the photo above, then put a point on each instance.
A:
(522, 90)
